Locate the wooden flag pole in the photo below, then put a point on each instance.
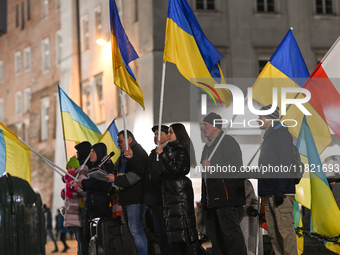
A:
(161, 106)
(124, 119)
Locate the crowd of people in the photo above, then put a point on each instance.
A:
(158, 183)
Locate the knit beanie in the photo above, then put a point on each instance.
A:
(83, 150)
(210, 119)
(272, 116)
(73, 162)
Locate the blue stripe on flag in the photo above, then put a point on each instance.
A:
(2, 153)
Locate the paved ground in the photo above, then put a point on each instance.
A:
(71, 243)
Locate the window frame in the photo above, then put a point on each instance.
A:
(2, 71)
(27, 99)
(205, 5)
(44, 9)
(46, 54)
(324, 8)
(59, 46)
(85, 29)
(18, 103)
(2, 109)
(27, 59)
(45, 106)
(17, 63)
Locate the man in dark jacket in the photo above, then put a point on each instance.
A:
(153, 198)
(97, 198)
(277, 150)
(221, 197)
(130, 177)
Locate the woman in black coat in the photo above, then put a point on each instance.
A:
(178, 195)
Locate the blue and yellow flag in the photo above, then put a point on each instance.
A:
(325, 213)
(122, 54)
(77, 126)
(187, 47)
(110, 140)
(287, 68)
(14, 155)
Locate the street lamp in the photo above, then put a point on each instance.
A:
(101, 41)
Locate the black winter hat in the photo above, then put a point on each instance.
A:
(83, 150)
(210, 119)
(164, 128)
(272, 116)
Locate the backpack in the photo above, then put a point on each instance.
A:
(297, 166)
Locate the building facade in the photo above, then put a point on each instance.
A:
(51, 42)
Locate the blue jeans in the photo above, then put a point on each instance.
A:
(133, 216)
(82, 244)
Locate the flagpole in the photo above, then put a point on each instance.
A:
(161, 105)
(124, 119)
(62, 122)
(50, 163)
(251, 160)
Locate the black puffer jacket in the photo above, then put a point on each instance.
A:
(178, 195)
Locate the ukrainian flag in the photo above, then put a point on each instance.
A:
(122, 54)
(286, 68)
(187, 47)
(110, 140)
(317, 196)
(77, 126)
(14, 155)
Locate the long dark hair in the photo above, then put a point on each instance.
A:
(184, 139)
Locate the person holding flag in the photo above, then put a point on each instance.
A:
(277, 150)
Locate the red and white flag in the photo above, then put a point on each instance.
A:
(325, 97)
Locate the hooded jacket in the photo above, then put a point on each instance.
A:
(97, 191)
(83, 150)
(276, 150)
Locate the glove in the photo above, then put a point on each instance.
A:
(251, 211)
(278, 200)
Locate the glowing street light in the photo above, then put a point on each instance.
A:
(101, 41)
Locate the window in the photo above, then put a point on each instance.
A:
(87, 98)
(17, 62)
(85, 33)
(265, 6)
(261, 64)
(28, 97)
(99, 86)
(118, 100)
(57, 4)
(205, 4)
(1, 71)
(17, 16)
(59, 45)
(45, 104)
(119, 4)
(44, 8)
(22, 15)
(28, 9)
(2, 110)
(45, 54)
(136, 11)
(98, 18)
(18, 103)
(27, 59)
(324, 6)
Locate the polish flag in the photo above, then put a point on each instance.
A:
(325, 97)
